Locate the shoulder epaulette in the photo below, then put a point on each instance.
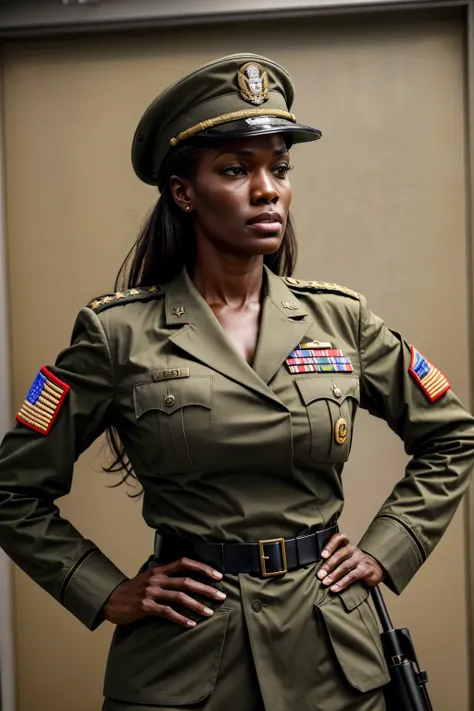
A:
(141, 293)
(321, 286)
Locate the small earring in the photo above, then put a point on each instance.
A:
(188, 207)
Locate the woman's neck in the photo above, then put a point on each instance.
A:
(226, 279)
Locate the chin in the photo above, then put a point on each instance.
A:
(270, 247)
(252, 247)
(265, 245)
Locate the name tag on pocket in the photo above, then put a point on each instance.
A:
(171, 373)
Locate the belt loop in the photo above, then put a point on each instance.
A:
(224, 562)
(158, 544)
(318, 544)
(297, 552)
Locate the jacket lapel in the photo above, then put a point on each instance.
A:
(283, 325)
(197, 331)
(200, 335)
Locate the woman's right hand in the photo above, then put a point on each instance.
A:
(158, 590)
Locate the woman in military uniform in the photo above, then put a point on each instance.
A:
(230, 389)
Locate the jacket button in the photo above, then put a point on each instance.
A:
(337, 392)
(169, 400)
(257, 605)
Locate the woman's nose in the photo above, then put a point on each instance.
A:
(264, 190)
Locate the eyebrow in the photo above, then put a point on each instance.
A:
(249, 152)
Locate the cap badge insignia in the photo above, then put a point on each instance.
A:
(253, 83)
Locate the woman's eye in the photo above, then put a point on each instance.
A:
(234, 171)
(282, 170)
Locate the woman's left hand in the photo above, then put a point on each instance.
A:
(344, 563)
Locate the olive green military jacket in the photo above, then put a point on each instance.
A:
(227, 451)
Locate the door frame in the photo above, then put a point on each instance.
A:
(55, 17)
(89, 16)
(7, 664)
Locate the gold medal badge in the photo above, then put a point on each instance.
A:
(340, 431)
(253, 83)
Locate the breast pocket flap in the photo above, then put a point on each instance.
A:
(170, 395)
(321, 387)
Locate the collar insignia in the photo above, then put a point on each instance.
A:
(179, 311)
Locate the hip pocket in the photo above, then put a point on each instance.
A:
(176, 417)
(355, 638)
(155, 661)
(331, 404)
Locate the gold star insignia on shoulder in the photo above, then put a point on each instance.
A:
(124, 297)
(322, 286)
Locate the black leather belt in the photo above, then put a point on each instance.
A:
(274, 556)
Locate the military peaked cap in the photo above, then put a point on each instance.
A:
(235, 96)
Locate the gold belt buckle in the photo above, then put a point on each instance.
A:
(264, 557)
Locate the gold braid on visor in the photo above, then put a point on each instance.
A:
(225, 118)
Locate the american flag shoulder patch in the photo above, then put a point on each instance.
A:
(43, 402)
(432, 381)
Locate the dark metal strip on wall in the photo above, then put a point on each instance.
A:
(7, 663)
(51, 17)
(469, 505)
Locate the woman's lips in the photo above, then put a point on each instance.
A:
(266, 222)
(265, 226)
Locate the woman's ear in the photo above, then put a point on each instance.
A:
(182, 193)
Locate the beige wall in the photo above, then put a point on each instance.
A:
(380, 206)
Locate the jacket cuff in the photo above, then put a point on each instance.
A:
(90, 585)
(390, 543)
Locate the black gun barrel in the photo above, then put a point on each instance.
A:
(382, 611)
(406, 690)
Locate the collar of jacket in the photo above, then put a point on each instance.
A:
(196, 330)
(183, 301)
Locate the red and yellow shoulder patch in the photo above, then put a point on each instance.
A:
(431, 380)
(43, 402)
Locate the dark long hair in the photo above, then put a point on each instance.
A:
(164, 245)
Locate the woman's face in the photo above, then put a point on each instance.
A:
(241, 195)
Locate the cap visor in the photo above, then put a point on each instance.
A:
(259, 126)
